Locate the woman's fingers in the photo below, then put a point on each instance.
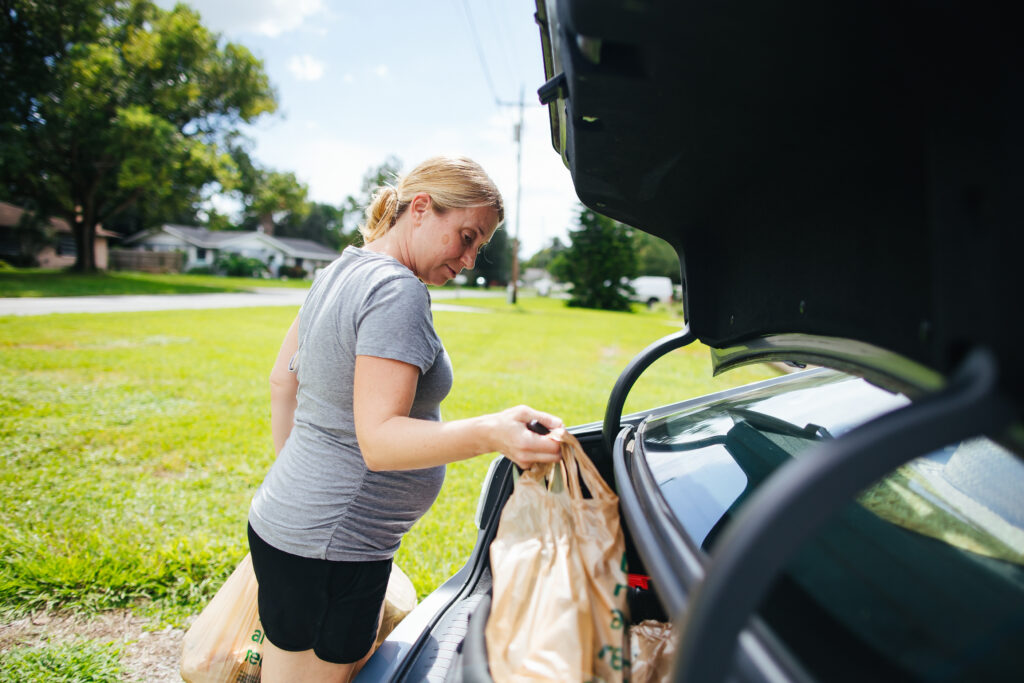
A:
(525, 445)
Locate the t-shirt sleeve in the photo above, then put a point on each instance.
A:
(395, 322)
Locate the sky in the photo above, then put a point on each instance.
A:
(358, 82)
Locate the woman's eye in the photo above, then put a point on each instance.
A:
(467, 238)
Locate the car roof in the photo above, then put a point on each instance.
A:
(850, 170)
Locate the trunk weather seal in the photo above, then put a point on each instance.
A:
(629, 376)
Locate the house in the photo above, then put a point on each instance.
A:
(55, 247)
(201, 247)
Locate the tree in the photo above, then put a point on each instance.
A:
(543, 258)
(322, 223)
(655, 256)
(267, 196)
(110, 104)
(334, 226)
(275, 193)
(597, 263)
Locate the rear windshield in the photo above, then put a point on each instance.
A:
(921, 577)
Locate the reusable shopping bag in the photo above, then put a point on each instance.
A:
(225, 643)
(652, 646)
(558, 611)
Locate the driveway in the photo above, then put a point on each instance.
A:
(264, 296)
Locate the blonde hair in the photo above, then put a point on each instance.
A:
(451, 182)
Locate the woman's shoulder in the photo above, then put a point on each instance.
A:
(382, 268)
(376, 272)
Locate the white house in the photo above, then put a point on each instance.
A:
(201, 247)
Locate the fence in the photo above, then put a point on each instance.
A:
(146, 261)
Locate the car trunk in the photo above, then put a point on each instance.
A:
(454, 649)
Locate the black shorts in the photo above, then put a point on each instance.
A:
(332, 608)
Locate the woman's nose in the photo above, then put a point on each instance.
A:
(468, 259)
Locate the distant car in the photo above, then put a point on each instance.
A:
(840, 184)
(651, 289)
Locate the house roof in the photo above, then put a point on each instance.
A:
(303, 246)
(216, 239)
(201, 237)
(10, 216)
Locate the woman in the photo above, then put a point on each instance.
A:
(355, 396)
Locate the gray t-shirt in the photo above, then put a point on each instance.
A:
(319, 499)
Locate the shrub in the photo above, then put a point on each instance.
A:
(239, 266)
(292, 272)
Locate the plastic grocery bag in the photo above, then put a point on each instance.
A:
(225, 643)
(558, 611)
(653, 646)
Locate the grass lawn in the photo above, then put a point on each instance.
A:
(132, 443)
(36, 282)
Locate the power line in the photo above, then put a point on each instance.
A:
(480, 50)
(500, 39)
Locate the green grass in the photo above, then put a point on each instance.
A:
(78, 661)
(132, 443)
(37, 282)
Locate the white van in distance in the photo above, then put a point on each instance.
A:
(652, 289)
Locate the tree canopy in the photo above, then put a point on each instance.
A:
(598, 262)
(266, 195)
(320, 223)
(544, 257)
(655, 256)
(109, 104)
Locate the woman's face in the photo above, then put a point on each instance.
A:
(445, 243)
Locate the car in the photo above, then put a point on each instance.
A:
(651, 289)
(841, 183)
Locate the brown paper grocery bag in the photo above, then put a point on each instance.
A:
(225, 643)
(653, 646)
(558, 610)
(399, 601)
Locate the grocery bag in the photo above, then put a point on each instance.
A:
(225, 643)
(652, 646)
(399, 601)
(558, 611)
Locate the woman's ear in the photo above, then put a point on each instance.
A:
(419, 206)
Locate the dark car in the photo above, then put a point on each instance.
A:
(843, 183)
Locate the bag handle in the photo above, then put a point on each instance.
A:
(579, 466)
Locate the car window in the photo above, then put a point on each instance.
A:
(921, 576)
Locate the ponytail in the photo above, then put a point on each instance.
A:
(381, 214)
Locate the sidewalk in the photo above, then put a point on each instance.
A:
(265, 296)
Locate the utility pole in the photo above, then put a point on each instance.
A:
(518, 137)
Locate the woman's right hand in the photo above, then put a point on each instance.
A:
(512, 438)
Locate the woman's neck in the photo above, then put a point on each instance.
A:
(391, 244)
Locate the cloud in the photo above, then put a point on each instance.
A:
(263, 17)
(306, 67)
(381, 70)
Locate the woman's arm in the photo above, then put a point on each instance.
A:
(284, 386)
(391, 440)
